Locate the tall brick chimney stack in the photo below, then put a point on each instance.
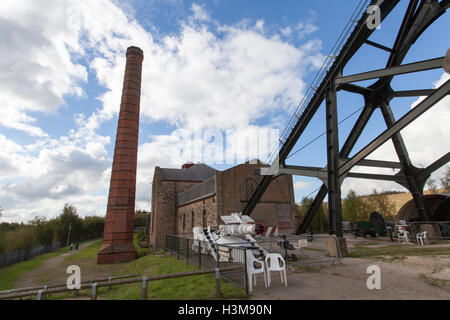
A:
(117, 243)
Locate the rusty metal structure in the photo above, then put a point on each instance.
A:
(438, 204)
(419, 15)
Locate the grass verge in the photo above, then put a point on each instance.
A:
(440, 283)
(90, 252)
(9, 275)
(397, 252)
(202, 287)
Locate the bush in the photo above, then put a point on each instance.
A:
(140, 219)
(22, 238)
(40, 231)
(45, 231)
(320, 221)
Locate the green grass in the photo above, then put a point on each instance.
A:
(440, 283)
(140, 252)
(9, 275)
(201, 287)
(90, 252)
(396, 252)
(302, 269)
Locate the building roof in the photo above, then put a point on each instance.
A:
(198, 172)
(205, 189)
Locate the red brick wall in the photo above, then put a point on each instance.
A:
(119, 223)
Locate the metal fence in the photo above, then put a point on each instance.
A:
(196, 253)
(301, 250)
(296, 250)
(9, 258)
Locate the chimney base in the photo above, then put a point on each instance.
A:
(112, 253)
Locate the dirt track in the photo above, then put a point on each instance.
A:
(53, 270)
(414, 277)
(410, 278)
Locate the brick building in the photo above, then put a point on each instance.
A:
(197, 195)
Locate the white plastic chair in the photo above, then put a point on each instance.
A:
(252, 271)
(402, 235)
(422, 238)
(275, 262)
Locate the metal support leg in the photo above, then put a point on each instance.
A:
(334, 185)
(346, 149)
(408, 169)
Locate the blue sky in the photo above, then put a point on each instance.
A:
(209, 65)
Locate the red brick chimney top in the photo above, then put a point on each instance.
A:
(136, 51)
(186, 165)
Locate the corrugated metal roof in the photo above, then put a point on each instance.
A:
(198, 172)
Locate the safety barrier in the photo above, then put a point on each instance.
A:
(42, 293)
(296, 250)
(10, 258)
(196, 253)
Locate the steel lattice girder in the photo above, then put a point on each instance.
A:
(419, 15)
(359, 35)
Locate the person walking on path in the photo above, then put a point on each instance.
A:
(71, 246)
(76, 246)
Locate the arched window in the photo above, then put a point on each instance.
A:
(204, 218)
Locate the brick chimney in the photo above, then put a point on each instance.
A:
(117, 243)
(187, 165)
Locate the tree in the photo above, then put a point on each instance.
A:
(45, 230)
(93, 226)
(354, 208)
(445, 180)
(320, 220)
(381, 203)
(431, 185)
(23, 238)
(140, 218)
(69, 219)
(358, 208)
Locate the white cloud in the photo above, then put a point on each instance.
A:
(301, 185)
(199, 13)
(36, 63)
(427, 139)
(206, 76)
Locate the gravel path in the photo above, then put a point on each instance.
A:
(53, 270)
(401, 280)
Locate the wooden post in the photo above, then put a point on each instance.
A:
(44, 294)
(187, 250)
(94, 291)
(199, 254)
(144, 288)
(39, 295)
(218, 293)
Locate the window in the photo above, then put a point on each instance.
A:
(184, 221)
(192, 219)
(204, 218)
